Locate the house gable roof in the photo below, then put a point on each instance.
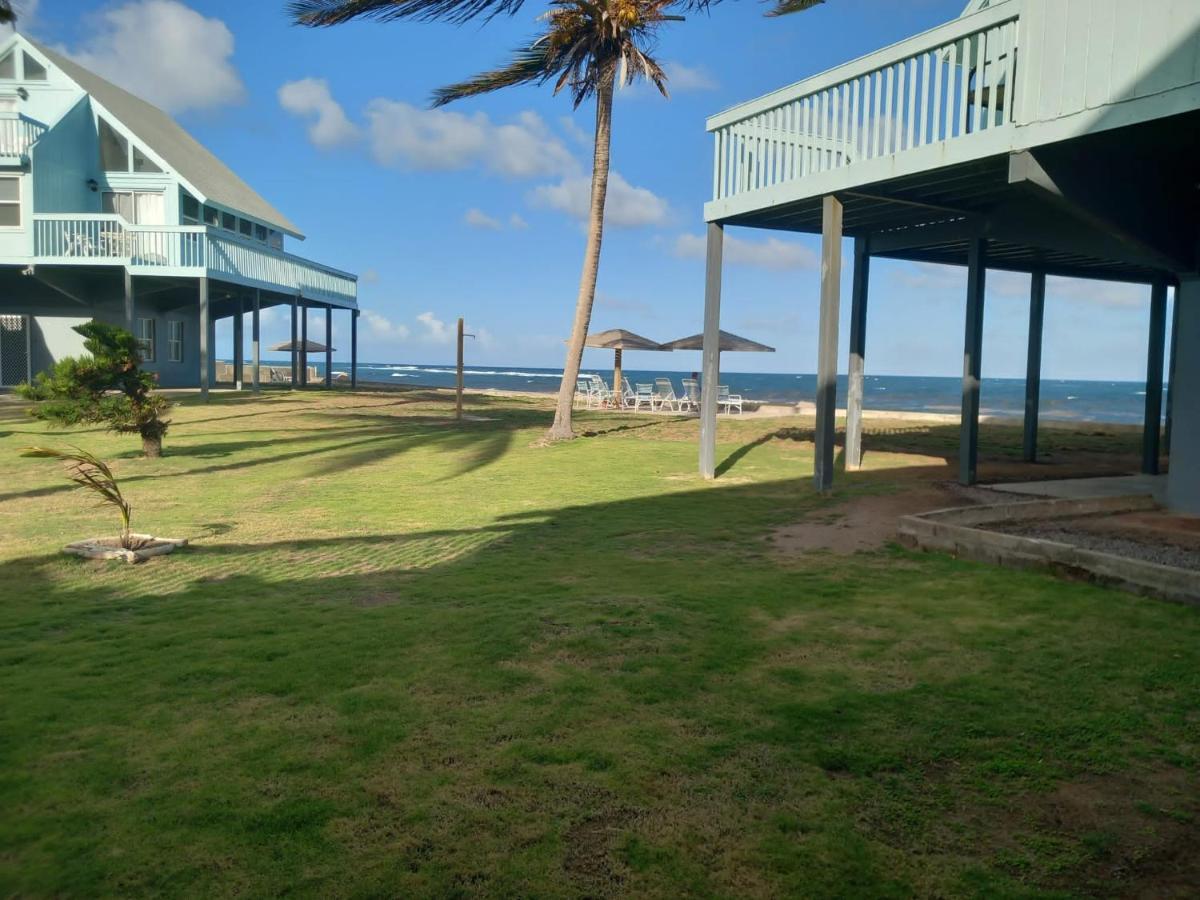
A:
(204, 173)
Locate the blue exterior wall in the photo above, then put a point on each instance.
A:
(62, 162)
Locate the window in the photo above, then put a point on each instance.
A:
(136, 207)
(143, 164)
(228, 221)
(8, 65)
(114, 149)
(246, 227)
(175, 341)
(34, 70)
(145, 339)
(10, 202)
(189, 209)
(212, 216)
(275, 240)
(260, 232)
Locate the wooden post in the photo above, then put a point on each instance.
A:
(328, 346)
(1171, 367)
(254, 340)
(968, 449)
(827, 340)
(295, 352)
(711, 351)
(204, 338)
(238, 339)
(303, 343)
(458, 382)
(1154, 378)
(130, 305)
(1033, 363)
(617, 392)
(858, 351)
(354, 348)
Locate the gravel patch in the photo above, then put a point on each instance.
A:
(1063, 532)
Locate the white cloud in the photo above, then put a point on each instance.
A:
(681, 78)
(574, 132)
(408, 137)
(436, 331)
(477, 218)
(626, 206)
(164, 52)
(517, 223)
(773, 253)
(381, 327)
(309, 98)
(369, 276)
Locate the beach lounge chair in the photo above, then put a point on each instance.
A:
(583, 390)
(691, 394)
(604, 396)
(664, 393)
(644, 394)
(628, 397)
(728, 400)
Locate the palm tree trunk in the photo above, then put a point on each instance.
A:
(561, 429)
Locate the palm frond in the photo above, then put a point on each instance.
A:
(787, 7)
(530, 64)
(90, 473)
(322, 13)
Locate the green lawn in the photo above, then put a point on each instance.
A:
(406, 657)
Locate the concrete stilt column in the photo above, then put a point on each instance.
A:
(1172, 351)
(130, 304)
(827, 340)
(329, 346)
(858, 353)
(354, 348)
(968, 449)
(1033, 364)
(1152, 425)
(239, 362)
(303, 343)
(295, 352)
(711, 352)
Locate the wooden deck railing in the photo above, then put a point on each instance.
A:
(946, 84)
(186, 250)
(18, 134)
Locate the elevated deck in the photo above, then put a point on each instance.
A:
(91, 240)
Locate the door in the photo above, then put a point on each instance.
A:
(14, 350)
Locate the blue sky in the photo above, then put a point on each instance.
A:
(474, 210)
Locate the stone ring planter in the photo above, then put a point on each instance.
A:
(144, 547)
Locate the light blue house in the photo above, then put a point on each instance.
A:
(1055, 137)
(110, 210)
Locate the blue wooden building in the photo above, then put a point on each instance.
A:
(1056, 137)
(110, 210)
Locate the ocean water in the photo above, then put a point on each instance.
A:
(1084, 401)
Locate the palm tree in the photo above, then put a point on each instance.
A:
(588, 46)
(8, 15)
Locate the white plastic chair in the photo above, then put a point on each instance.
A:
(664, 393)
(644, 394)
(691, 394)
(728, 400)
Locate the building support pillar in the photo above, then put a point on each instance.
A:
(354, 348)
(1183, 479)
(827, 340)
(1033, 364)
(1152, 425)
(295, 351)
(239, 362)
(1171, 366)
(303, 343)
(130, 303)
(204, 330)
(858, 353)
(328, 346)
(255, 383)
(710, 361)
(968, 449)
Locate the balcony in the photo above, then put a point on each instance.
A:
(17, 134)
(184, 250)
(939, 97)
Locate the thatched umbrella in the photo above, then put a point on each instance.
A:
(302, 347)
(618, 339)
(728, 342)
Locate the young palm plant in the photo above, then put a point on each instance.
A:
(92, 474)
(588, 47)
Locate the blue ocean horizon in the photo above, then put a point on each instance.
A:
(1117, 402)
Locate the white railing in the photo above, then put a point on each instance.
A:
(946, 84)
(18, 134)
(109, 239)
